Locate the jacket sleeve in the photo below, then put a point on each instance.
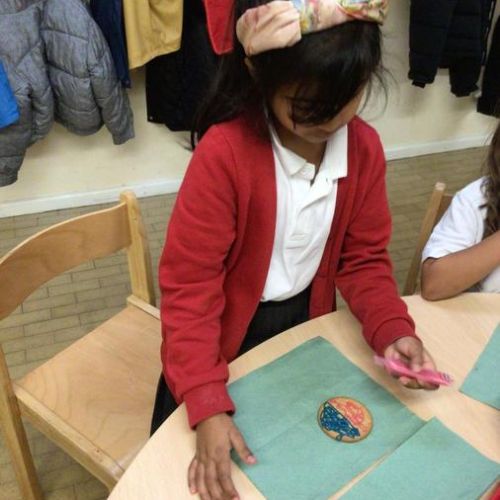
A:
(15, 138)
(35, 105)
(365, 271)
(110, 97)
(33, 71)
(192, 274)
(430, 22)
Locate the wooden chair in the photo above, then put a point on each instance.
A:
(95, 398)
(437, 206)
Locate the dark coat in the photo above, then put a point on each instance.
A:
(109, 16)
(176, 83)
(449, 34)
(489, 102)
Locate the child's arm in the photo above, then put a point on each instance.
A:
(192, 272)
(454, 273)
(456, 257)
(365, 276)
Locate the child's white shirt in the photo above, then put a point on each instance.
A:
(462, 227)
(304, 214)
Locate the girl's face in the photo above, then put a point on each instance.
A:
(281, 106)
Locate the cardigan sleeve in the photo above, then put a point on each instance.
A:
(365, 277)
(192, 274)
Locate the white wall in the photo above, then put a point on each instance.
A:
(66, 170)
(419, 121)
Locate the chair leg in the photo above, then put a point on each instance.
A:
(15, 438)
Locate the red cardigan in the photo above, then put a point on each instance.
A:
(218, 249)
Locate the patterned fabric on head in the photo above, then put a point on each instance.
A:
(281, 23)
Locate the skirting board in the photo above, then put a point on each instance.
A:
(83, 199)
(429, 148)
(70, 200)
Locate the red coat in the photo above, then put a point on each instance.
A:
(219, 244)
(220, 24)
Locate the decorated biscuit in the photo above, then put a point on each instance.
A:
(345, 419)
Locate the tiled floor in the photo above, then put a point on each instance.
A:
(70, 305)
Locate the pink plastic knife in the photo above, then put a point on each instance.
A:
(397, 367)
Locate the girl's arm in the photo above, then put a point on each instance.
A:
(456, 257)
(454, 273)
(191, 274)
(364, 276)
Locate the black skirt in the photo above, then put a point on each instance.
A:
(270, 319)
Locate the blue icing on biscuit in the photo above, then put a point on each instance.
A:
(332, 420)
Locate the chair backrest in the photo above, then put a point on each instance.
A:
(437, 206)
(30, 265)
(68, 244)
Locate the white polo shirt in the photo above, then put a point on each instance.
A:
(462, 227)
(304, 214)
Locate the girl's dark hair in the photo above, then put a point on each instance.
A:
(491, 187)
(329, 69)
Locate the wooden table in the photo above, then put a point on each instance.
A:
(455, 331)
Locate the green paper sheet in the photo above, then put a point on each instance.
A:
(483, 382)
(434, 464)
(277, 413)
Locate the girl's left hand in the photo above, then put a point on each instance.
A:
(412, 352)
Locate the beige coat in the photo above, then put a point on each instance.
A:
(153, 28)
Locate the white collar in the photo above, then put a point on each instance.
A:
(333, 165)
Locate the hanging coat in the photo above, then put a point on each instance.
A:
(220, 24)
(109, 17)
(21, 51)
(489, 102)
(448, 34)
(60, 67)
(153, 28)
(176, 83)
(82, 74)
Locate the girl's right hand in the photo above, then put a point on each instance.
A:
(209, 473)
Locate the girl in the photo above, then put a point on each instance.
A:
(284, 200)
(463, 252)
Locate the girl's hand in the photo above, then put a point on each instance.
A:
(209, 473)
(411, 351)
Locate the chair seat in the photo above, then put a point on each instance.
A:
(97, 395)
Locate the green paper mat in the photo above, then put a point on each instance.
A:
(277, 413)
(483, 382)
(434, 464)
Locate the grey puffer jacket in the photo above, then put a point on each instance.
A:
(59, 67)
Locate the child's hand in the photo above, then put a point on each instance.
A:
(209, 473)
(412, 352)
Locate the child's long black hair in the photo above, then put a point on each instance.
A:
(492, 187)
(329, 69)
